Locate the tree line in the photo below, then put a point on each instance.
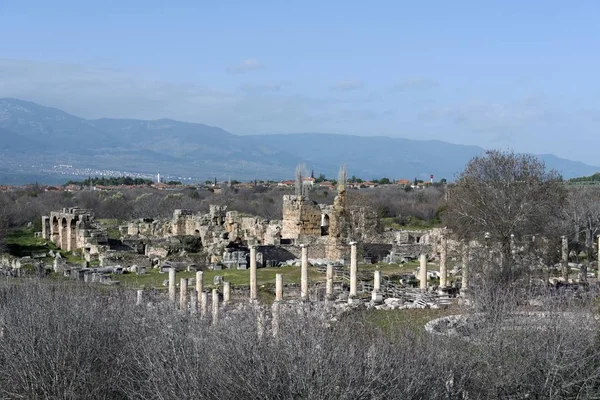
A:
(112, 181)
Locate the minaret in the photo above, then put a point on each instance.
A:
(158, 178)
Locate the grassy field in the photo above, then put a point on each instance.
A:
(265, 276)
(390, 321)
(23, 243)
(238, 278)
(112, 227)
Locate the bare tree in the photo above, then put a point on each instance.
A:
(503, 194)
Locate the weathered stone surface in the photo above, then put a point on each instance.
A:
(73, 228)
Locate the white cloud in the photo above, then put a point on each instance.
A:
(98, 93)
(250, 64)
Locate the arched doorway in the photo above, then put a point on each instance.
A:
(55, 237)
(324, 224)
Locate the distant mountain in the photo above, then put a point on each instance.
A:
(377, 156)
(35, 139)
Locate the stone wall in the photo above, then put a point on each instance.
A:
(301, 217)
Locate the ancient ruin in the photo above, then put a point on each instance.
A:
(74, 229)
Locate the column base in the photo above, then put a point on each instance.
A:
(353, 300)
(376, 297)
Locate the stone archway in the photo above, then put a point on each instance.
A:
(55, 232)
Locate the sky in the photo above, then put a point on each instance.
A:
(519, 75)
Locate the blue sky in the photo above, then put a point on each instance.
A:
(506, 74)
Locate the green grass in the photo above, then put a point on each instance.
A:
(415, 319)
(265, 276)
(22, 243)
(112, 227)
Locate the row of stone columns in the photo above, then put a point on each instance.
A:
(199, 296)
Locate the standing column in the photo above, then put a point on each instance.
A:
(465, 266)
(215, 306)
(203, 304)
(183, 283)
(226, 292)
(423, 272)
(353, 269)
(376, 296)
(199, 285)
(329, 282)
(443, 257)
(278, 287)
(253, 287)
(138, 300)
(304, 273)
(565, 258)
(172, 284)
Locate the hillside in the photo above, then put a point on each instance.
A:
(35, 139)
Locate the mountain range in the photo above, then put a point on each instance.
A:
(49, 145)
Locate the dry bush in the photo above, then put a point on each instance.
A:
(68, 341)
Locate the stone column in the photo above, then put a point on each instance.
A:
(183, 284)
(376, 296)
(465, 266)
(226, 292)
(353, 270)
(278, 287)
(329, 283)
(443, 257)
(203, 304)
(423, 272)
(377, 280)
(253, 285)
(172, 285)
(304, 273)
(565, 257)
(199, 285)
(215, 306)
(140, 294)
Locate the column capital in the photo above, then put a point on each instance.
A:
(304, 245)
(353, 243)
